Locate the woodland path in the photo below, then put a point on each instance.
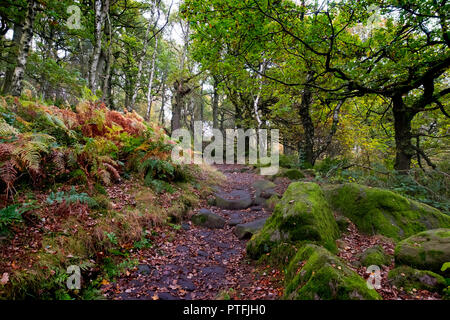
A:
(200, 263)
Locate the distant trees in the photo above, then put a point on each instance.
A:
(334, 51)
(114, 54)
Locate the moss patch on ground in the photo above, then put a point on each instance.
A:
(301, 214)
(316, 274)
(379, 211)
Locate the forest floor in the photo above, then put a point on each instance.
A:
(194, 262)
(198, 263)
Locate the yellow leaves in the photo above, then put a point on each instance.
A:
(104, 282)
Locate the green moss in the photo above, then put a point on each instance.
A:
(314, 273)
(280, 255)
(426, 250)
(301, 214)
(293, 174)
(379, 211)
(408, 278)
(343, 223)
(375, 256)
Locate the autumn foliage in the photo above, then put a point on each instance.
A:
(89, 143)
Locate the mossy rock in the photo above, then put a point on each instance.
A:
(206, 218)
(379, 211)
(264, 191)
(309, 172)
(427, 250)
(301, 214)
(246, 230)
(262, 185)
(316, 274)
(375, 256)
(280, 255)
(409, 278)
(271, 202)
(343, 223)
(234, 200)
(293, 174)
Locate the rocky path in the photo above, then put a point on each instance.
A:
(206, 260)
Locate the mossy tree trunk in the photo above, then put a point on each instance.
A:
(24, 48)
(403, 135)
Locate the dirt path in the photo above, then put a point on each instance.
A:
(199, 263)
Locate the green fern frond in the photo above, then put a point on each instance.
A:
(7, 130)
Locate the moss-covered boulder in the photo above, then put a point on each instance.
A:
(293, 174)
(316, 274)
(409, 278)
(380, 211)
(301, 214)
(375, 256)
(427, 250)
(262, 185)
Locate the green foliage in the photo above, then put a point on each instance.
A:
(111, 237)
(157, 169)
(144, 243)
(11, 215)
(70, 197)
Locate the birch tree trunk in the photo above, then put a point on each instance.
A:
(150, 82)
(101, 9)
(142, 58)
(24, 49)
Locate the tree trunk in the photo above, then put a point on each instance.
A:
(163, 101)
(402, 126)
(101, 9)
(12, 56)
(215, 103)
(141, 60)
(176, 107)
(306, 147)
(24, 48)
(150, 82)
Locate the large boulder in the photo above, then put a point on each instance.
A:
(206, 218)
(409, 278)
(427, 250)
(301, 214)
(234, 200)
(380, 211)
(246, 230)
(316, 274)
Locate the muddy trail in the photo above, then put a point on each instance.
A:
(205, 262)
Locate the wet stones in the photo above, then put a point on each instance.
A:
(206, 218)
